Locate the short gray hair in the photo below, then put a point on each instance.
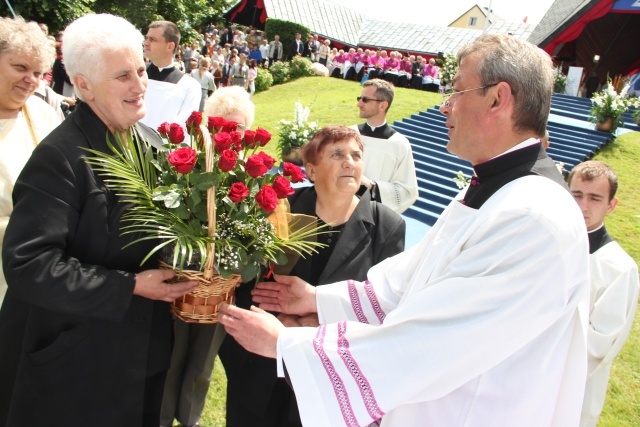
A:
(525, 67)
(26, 38)
(230, 99)
(88, 38)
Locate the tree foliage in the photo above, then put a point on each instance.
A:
(189, 15)
(57, 14)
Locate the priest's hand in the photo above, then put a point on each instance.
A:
(255, 329)
(288, 294)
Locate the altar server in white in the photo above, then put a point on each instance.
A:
(171, 95)
(484, 322)
(614, 282)
(389, 170)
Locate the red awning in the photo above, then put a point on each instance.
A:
(574, 30)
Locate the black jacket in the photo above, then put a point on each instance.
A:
(76, 345)
(373, 233)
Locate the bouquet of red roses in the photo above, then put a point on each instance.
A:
(169, 189)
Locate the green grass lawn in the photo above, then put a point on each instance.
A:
(334, 103)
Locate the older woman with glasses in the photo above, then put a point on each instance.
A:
(25, 54)
(85, 329)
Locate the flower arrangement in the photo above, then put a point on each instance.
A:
(559, 80)
(608, 106)
(169, 188)
(448, 69)
(297, 132)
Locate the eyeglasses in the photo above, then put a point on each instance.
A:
(449, 97)
(365, 99)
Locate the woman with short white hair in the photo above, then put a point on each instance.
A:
(85, 328)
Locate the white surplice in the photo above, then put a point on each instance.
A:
(389, 162)
(481, 324)
(614, 297)
(171, 102)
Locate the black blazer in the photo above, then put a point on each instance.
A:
(373, 233)
(295, 49)
(76, 346)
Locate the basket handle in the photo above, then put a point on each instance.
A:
(211, 205)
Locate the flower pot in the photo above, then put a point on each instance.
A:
(605, 125)
(294, 156)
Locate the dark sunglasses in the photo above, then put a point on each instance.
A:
(365, 99)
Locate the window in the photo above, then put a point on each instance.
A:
(473, 21)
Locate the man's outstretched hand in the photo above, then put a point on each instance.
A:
(255, 329)
(288, 294)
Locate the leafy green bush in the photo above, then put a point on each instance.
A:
(264, 79)
(280, 72)
(287, 31)
(300, 67)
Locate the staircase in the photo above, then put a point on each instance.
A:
(436, 168)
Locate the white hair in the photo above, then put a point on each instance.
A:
(230, 99)
(87, 39)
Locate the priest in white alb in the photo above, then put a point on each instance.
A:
(483, 323)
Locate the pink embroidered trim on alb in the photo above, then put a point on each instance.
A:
(363, 384)
(336, 381)
(368, 288)
(355, 302)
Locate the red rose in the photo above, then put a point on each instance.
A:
(267, 159)
(229, 126)
(238, 191)
(215, 123)
(193, 122)
(282, 187)
(255, 166)
(267, 198)
(163, 129)
(222, 141)
(228, 160)
(183, 159)
(263, 136)
(236, 140)
(293, 171)
(176, 134)
(250, 139)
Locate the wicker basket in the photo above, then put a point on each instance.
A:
(201, 304)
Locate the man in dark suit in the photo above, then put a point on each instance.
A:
(227, 72)
(297, 46)
(416, 71)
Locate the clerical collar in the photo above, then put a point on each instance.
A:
(373, 128)
(525, 143)
(598, 238)
(499, 171)
(161, 69)
(504, 161)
